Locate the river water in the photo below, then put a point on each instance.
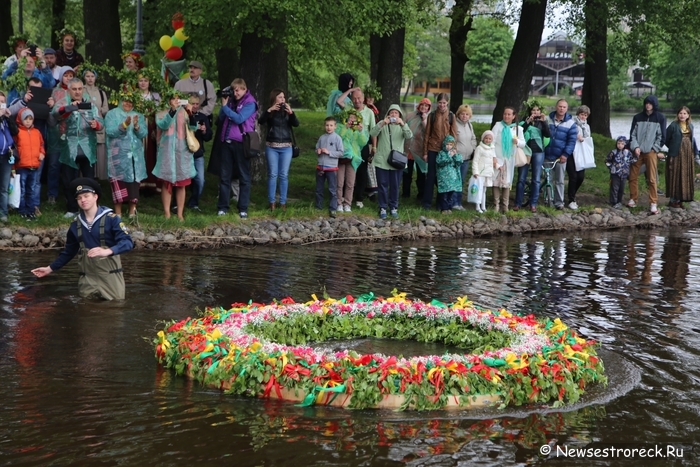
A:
(80, 384)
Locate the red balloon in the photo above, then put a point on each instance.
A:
(174, 53)
(177, 24)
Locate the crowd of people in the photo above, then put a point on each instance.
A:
(440, 147)
(57, 125)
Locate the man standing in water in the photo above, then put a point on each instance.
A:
(99, 237)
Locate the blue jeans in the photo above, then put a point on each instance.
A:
(388, 188)
(278, 161)
(536, 163)
(197, 183)
(29, 199)
(463, 170)
(53, 174)
(5, 173)
(332, 177)
(430, 179)
(232, 157)
(446, 200)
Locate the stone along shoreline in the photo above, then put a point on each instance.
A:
(363, 229)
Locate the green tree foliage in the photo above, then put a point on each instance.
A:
(674, 70)
(432, 50)
(488, 47)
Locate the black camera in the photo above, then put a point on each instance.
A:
(32, 50)
(226, 92)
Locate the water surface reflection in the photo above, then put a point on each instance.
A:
(80, 383)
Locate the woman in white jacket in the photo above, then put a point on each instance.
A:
(507, 136)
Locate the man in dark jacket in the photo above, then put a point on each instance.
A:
(561, 146)
(98, 237)
(203, 133)
(647, 137)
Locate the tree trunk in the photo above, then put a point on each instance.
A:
(228, 65)
(389, 75)
(253, 73)
(6, 30)
(253, 63)
(459, 28)
(375, 45)
(521, 64)
(102, 32)
(58, 21)
(408, 89)
(276, 75)
(595, 78)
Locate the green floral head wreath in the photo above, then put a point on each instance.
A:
(172, 93)
(68, 32)
(13, 40)
(530, 104)
(345, 115)
(373, 91)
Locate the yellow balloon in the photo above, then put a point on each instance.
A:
(180, 34)
(165, 43)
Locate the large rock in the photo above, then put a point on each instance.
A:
(30, 240)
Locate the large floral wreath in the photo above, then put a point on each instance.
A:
(259, 350)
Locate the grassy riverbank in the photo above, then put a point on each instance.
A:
(593, 193)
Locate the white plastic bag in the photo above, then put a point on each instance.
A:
(584, 157)
(475, 189)
(14, 191)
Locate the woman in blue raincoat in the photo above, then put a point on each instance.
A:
(126, 164)
(175, 164)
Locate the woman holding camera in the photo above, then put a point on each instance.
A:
(175, 166)
(280, 119)
(392, 133)
(535, 129)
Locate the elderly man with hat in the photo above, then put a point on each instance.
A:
(195, 84)
(98, 237)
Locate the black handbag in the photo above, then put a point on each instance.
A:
(397, 159)
(295, 148)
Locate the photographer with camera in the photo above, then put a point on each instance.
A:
(392, 132)
(79, 122)
(280, 119)
(236, 118)
(34, 55)
(535, 130)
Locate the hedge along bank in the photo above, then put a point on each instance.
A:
(260, 350)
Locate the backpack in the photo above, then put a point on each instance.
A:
(432, 118)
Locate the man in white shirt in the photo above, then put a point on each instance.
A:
(195, 84)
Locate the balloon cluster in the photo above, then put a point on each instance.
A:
(172, 45)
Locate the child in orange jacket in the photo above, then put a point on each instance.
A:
(30, 149)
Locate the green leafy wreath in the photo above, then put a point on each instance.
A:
(12, 41)
(344, 114)
(373, 91)
(68, 32)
